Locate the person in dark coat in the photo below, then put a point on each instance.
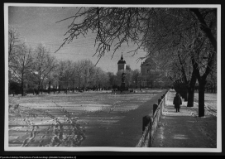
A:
(177, 102)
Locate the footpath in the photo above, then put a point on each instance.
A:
(185, 128)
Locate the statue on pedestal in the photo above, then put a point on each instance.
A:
(122, 88)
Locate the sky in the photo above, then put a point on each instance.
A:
(39, 25)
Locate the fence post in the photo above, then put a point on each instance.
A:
(150, 133)
(154, 108)
(145, 121)
(159, 100)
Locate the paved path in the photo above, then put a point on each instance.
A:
(184, 128)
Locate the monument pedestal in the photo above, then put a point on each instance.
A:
(122, 88)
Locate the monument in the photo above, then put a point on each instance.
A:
(122, 68)
(123, 87)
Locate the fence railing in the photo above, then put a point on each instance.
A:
(150, 122)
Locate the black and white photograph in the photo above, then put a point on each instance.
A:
(119, 78)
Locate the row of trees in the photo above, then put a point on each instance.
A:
(81, 75)
(185, 39)
(28, 66)
(36, 70)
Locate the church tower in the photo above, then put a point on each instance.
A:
(121, 64)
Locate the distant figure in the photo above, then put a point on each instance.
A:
(177, 102)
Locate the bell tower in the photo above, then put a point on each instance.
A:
(121, 64)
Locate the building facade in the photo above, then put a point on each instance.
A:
(152, 76)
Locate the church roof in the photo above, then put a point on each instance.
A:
(121, 61)
(149, 62)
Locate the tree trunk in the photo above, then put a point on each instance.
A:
(205, 28)
(191, 90)
(49, 85)
(201, 100)
(79, 84)
(39, 87)
(66, 87)
(21, 88)
(73, 86)
(54, 89)
(59, 87)
(191, 93)
(185, 93)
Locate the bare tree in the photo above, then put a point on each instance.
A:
(22, 65)
(44, 64)
(74, 78)
(135, 77)
(14, 46)
(78, 68)
(112, 79)
(101, 78)
(52, 79)
(60, 70)
(87, 72)
(66, 75)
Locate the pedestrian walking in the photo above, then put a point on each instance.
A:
(177, 102)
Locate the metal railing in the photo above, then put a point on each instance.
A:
(150, 122)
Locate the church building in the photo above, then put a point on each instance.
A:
(152, 75)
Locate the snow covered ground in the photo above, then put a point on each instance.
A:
(210, 102)
(66, 119)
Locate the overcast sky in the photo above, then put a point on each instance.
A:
(38, 25)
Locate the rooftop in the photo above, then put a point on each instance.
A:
(121, 61)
